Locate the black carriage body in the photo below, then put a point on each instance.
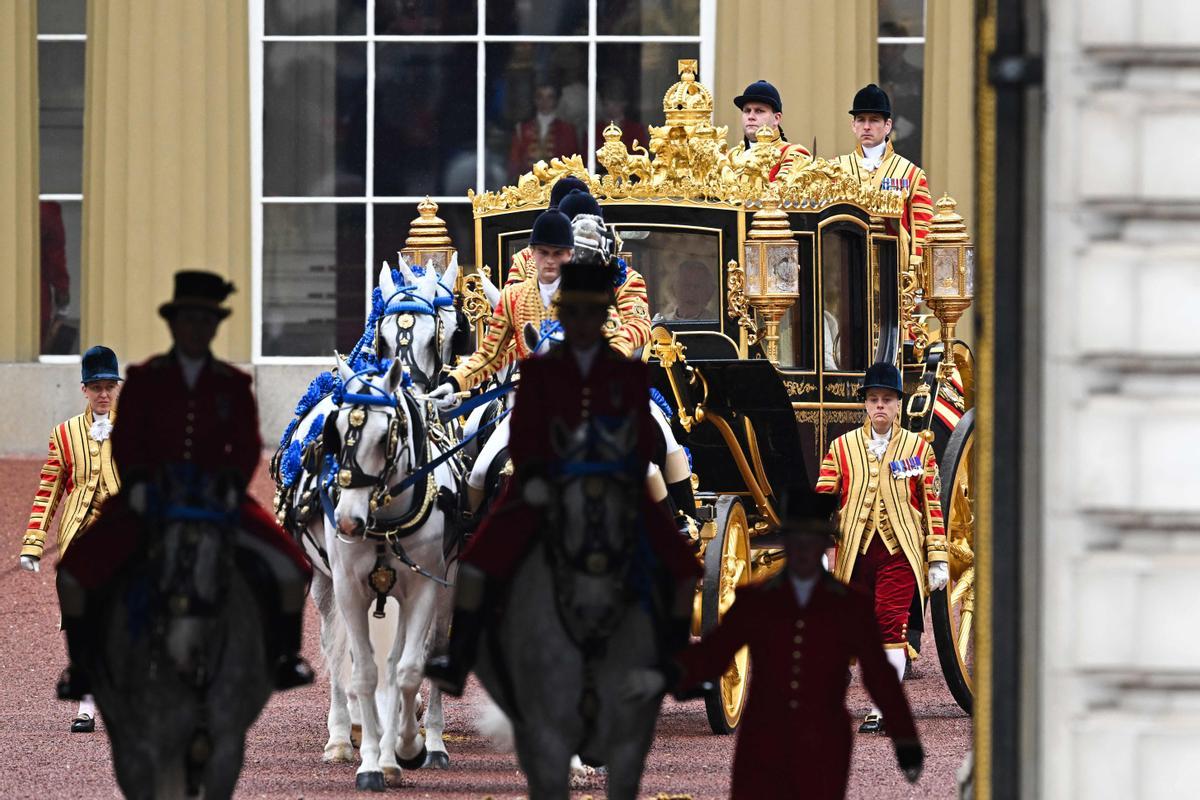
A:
(846, 317)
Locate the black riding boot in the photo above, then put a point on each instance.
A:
(290, 669)
(449, 671)
(79, 626)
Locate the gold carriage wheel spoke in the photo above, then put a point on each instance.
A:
(964, 634)
(965, 584)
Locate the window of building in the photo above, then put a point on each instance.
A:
(61, 39)
(364, 107)
(902, 70)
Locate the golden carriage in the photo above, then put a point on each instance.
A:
(770, 300)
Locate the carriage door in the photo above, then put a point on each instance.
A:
(844, 322)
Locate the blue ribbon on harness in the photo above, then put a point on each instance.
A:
(477, 401)
(404, 299)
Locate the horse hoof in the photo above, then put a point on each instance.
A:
(391, 776)
(356, 735)
(416, 762)
(369, 782)
(437, 759)
(338, 754)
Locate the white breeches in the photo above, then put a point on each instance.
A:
(495, 443)
(665, 424)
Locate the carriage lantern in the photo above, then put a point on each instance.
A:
(428, 240)
(948, 278)
(772, 259)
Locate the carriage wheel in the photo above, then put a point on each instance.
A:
(726, 568)
(953, 608)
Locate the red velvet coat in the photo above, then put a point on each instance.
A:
(161, 423)
(795, 736)
(553, 392)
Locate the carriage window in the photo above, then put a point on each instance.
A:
(682, 271)
(844, 324)
(796, 328)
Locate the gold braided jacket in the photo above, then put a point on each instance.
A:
(912, 504)
(79, 468)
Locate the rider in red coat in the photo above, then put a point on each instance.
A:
(187, 413)
(582, 380)
(802, 627)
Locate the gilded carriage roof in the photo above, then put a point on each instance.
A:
(689, 159)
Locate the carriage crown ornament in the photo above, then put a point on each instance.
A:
(428, 239)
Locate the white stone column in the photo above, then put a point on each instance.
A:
(1120, 539)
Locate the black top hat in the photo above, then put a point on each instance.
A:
(760, 92)
(587, 284)
(872, 100)
(579, 202)
(882, 376)
(807, 512)
(100, 364)
(552, 228)
(197, 289)
(563, 187)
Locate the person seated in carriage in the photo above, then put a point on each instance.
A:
(186, 413)
(585, 382)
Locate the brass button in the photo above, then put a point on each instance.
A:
(95, 449)
(796, 655)
(795, 684)
(191, 416)
(587, 390)
(796, 670)
(799, 623)
(792, 704)
(188, 429)
(797, 638)
(872, 486)
(187, 456)
(187, 442)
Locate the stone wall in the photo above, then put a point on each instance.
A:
(46, 394)
(1120, 539)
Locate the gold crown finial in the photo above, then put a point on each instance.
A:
(428, 229)
(612, 133)
(688, 102)
(766, 133)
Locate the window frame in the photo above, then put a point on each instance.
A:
(67, 358)
(706, 40)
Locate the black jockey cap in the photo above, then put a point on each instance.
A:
(563, 187)
(882, 376)
(552, 229)
(810, 513)
(197, 289)
(580, 202)
(760, 92)
(100, 364)
(872, 100)
(587, 284)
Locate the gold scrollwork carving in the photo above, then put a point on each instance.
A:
(739, 305)
(799, 387)
(689, 158)
(842, 389)
(475, 303)
(807, 415)
(842, 417)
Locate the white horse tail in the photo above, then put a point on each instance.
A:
(495, 726)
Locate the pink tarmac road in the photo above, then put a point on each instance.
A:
(41, 759)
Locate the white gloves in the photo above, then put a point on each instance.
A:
(137, 497)
(939, 575)
(642, 684)
(536, 492)
(31, 563)
(445, 397)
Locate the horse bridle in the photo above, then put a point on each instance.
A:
(350, 474)
(408, 304)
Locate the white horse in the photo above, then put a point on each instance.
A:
(575, 625)
(183, 671)
(388, 542)
(307, 518)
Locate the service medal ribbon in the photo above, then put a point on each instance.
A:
(897, 469)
